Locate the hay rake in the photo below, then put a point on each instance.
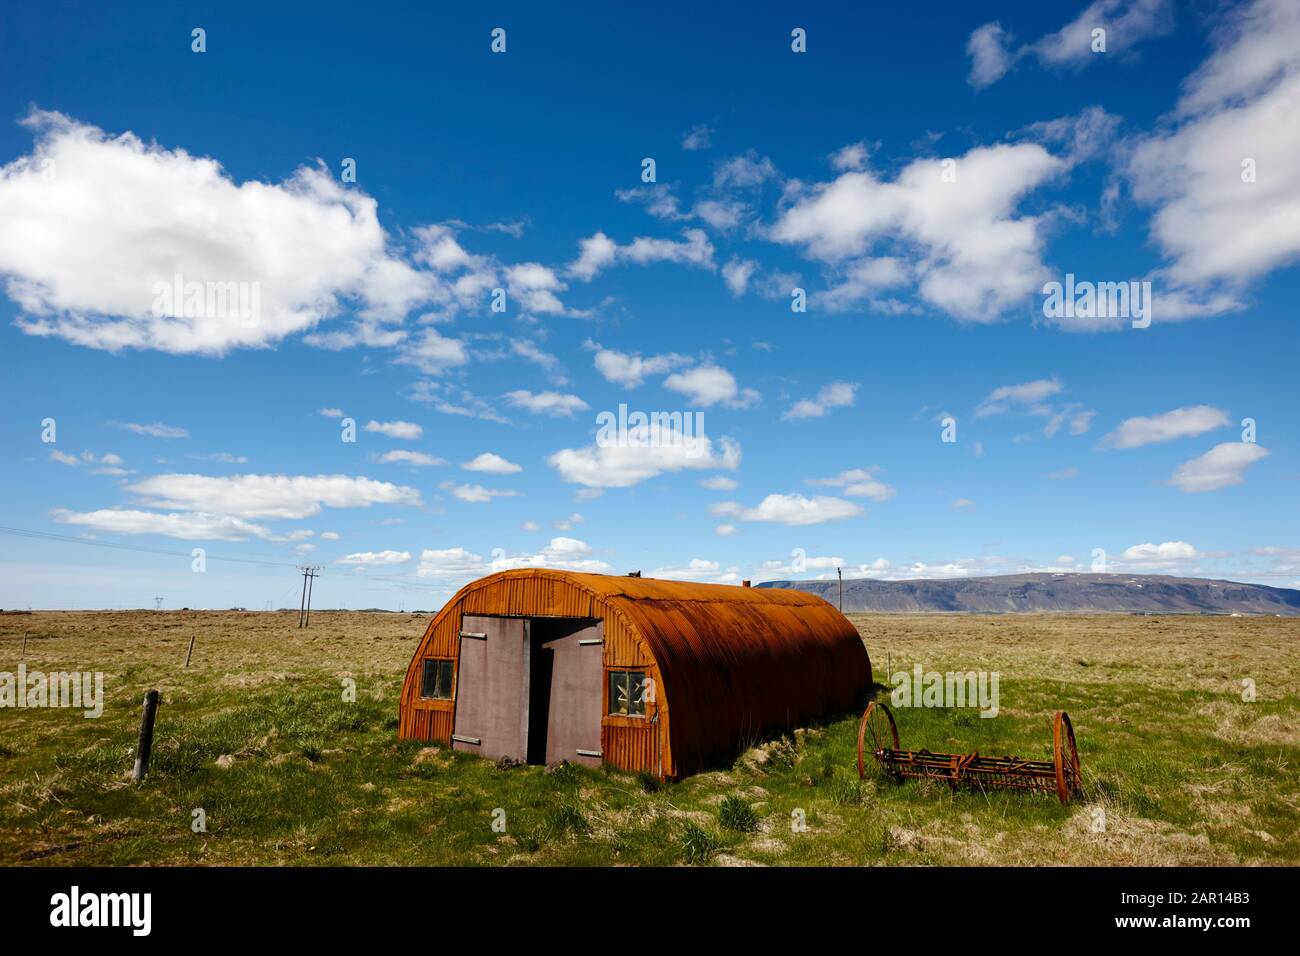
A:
(878, 737)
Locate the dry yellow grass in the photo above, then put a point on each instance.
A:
(1181, 769)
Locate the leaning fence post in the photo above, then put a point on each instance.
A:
(190, 651)
(146, 736)
(24, 655)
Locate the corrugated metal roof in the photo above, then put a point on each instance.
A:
(735, 662)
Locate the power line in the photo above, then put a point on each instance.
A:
(69, 539)
(309, 574)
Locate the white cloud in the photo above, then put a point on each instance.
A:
(649, 450)
(330, 412)
(708, 385)
(1127, 23)
(433, 353)
(459, 564)
(530, 526)
(834, 395)
(329, 536)
(1243, 103)
(858, 483)
(1064, 474)
(630, 370)
(188, 526)
(737, 273)
(546, 403)
(372, 559)
(1221, 466)
(989, 57)
(268, 496)
(564, 524)
(476, 494)
(963, 503)
(699, 569)
(94, 221)
(719, 483)
(1179, 423)
(492, 464)
(221, 457)
(977, 260)
(154, 430)
(851, 157)
(417, 458)
(794, 509)
(743, 172)
(599, 252)
(535, 287)
(402, 430)
(725, 530)
(698, 137)
(1164, 554)
(1028, 393)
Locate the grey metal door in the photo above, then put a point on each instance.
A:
(577, 675)
(492, 687)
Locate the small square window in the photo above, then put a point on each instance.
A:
(627, 693)
(437, 680)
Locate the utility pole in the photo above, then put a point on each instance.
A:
(157, 604)
(309, 574)
(839, 572)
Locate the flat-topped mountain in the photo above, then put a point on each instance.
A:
(1065, 593)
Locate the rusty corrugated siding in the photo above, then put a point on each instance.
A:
(729, 663)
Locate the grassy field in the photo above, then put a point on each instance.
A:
(1178, 768)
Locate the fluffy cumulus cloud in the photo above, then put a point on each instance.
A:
(1223, 465)
(1165, 554)
(834, 395)
(476, 494)
(793, 509)
(555, 404)
(708, 385)
(402, 457)
(1005, 397)
(630, 370)
(402, 430)
(460, 564)
(1179, 423)
(155, 429)
(699, 569)
(1220, 172)
(859, 483)
(375, 559)
(493, 464)
(97, 226)
(190, 526)
(599, 252)
(268, 496)
(644, 452)
(971, 255)
(1127, 23)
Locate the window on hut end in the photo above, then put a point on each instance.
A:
(436, 684)
(627, 693)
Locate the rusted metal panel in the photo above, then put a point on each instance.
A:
(729, 663)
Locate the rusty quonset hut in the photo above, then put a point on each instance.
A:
(648, 675)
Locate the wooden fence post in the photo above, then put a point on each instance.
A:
(145, 744)
(190, 651)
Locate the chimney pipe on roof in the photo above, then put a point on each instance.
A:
(744, 584)
(634, 574)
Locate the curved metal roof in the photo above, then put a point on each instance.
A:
(734, 662)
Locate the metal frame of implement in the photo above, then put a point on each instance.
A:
(878, 736)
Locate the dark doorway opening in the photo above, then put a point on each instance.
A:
(565, 685)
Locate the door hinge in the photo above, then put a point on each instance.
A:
(476, 635)
(462, 739)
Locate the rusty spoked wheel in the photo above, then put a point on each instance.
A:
(876, 733)
(1066, 754)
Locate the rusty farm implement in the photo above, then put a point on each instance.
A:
(878, 738)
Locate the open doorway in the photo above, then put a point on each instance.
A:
(565, 690)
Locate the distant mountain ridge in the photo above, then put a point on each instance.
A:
(1061, 593)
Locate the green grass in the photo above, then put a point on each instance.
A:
(288, 773)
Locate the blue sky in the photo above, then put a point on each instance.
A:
(128, 158)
